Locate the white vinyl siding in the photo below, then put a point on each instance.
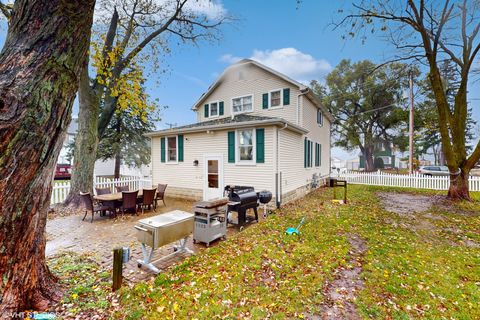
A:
(254, 81)
(196, 145)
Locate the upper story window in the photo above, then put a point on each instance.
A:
(319, 117)
(172, 149)
(275, 98)
(245, 145)
(242, 104)
(213, 109)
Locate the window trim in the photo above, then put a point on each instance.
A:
(210, 109)
(167, 160)
(239, 162)
(270, 99)
(244, 96)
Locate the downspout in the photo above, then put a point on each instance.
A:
(278, 174)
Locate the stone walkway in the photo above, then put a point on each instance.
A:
(99, 238)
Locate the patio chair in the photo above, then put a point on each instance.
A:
(112, 204)
(101, 191)
(148, 199)
(89, 207)
(160, 194)
(129, 201)
(122, 188)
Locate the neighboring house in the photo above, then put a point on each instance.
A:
(69, 138)
(383, 156)
(353, 164)
(255, 127)
(337, 163)
(102, 168)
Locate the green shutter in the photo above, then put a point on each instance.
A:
(231, 146)
(220, 108)
(319, 155)
(305, 152)
(162, 149)
(205, 110)
(260, 134)
(265, 101)
(286, 96)
(309, 154)
(180, 148)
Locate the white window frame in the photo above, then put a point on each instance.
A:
(252, 162)
(270, 99)
(210, 109)
(240, 97)
(320, 124)
(167, 158)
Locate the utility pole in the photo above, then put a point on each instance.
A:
(410, 137)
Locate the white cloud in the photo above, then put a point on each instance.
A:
(228, 58)
(297, 65)
(213, 9)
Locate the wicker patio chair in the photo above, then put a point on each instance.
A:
(160, 194)
(148, 199)
(89, 207)
(129, 201)
(101, 191)
(122, 188)
(112, 204)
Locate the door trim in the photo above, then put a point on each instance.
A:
(213, 156)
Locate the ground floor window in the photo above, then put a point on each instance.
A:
(172, 149)
(245, 150)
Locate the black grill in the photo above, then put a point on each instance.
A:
(242, 198)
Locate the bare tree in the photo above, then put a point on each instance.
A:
(135, 27)
(431, 32)
(40, 64)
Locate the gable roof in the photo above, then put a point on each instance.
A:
(303, 88)
(239, 121)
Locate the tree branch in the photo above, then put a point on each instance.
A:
(6, 10)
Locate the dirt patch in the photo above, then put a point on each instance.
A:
(341, 293)
(406, 203)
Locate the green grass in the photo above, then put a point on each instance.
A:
(413, 268)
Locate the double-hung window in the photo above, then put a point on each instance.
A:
(275, 98)
(213, 109)
(172, 149)
(245, 151)
(242, 104)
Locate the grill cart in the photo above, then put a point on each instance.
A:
(210, 221)
(241, 198)
(163, 229)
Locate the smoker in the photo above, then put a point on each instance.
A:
(241, 198)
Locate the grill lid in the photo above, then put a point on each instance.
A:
(164, 219)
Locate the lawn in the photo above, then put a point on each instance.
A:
(425, 265)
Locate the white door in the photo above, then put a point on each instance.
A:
(213, 185)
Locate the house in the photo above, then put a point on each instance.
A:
(255, 127)
(383, 155)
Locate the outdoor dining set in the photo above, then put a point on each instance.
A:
(123, 201)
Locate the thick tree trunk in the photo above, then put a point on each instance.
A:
(86, 142)
(458, 189)
(369, 162)
(118, 156)
(40, 65)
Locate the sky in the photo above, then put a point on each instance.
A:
(296, 39)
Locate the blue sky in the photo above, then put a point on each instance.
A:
(296, 39)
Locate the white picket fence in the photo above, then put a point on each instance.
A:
(61, 189)
(415, 180)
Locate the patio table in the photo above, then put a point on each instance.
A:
(115, 196)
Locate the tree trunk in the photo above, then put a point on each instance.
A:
(40, 64)
(458, 189)
(86, 142)
(369, 162)
(118, 156)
